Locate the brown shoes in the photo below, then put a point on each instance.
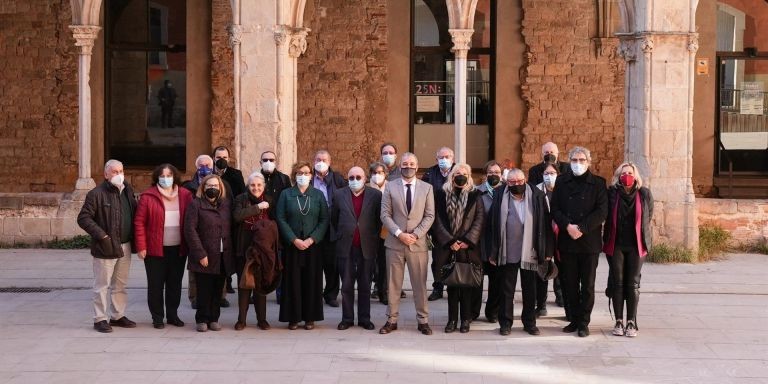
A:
(309, 325)
(425, 329)
(388, 328)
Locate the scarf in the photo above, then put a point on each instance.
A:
(528, 261)
(456, 203)
(169, 195)
(250, 222)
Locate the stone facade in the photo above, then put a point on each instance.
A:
(222, 103)
(572, 83)
(342, 98)
(38, 97)
(746, 220)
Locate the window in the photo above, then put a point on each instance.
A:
(145, 117)
(432, 82)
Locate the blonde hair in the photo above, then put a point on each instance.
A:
(617, 173)
(201, 188)
(469, 186)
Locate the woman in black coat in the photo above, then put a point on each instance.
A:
(251, 207)
(457, 229)
(627, 239)
(207, 231)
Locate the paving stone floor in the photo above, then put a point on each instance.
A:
(702, 323)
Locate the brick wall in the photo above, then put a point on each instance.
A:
(342, 100)
(38, 97)
(575, 96)
(746, 220)
(222, 83)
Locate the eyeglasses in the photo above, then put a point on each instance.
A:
(578, 160)
(355, 177)
(267, 160)
(516, 182)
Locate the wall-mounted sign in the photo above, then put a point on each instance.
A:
(751, 98)
(427, 103)
(702, 66)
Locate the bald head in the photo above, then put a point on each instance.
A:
(549, 148)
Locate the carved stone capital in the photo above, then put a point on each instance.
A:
(85, 35)
(693, 42)
(281, 34)
(646, 43)
(606, 46)
(626, 50)
(462, 41)
(235, 34)
(298, 44)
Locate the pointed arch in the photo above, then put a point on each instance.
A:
(461, 13)
(86, 12)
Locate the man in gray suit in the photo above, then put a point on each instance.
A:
(407, 211)
(356, 223)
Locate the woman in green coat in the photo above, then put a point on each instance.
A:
(302, 218)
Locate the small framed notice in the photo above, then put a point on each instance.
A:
(702, 66)
(427, 103)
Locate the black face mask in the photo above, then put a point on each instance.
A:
(408, 172)
(516, 189)
(212, 193)
(221, 163)
(460, 180)
(550, 158)
(493, 180)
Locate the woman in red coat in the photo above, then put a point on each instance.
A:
(159, 232)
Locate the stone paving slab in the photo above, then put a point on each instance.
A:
(703, 323)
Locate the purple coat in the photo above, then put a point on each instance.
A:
(206, 230)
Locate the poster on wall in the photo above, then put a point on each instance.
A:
(751, 99)
(427, 103)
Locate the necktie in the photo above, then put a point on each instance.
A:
(408, 203)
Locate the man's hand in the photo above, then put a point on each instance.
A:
(142, 254)
(204, 262)
(573, 231)
(407, 238)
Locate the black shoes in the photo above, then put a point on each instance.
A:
(176, 322)
(435, 295)
(343, 326)
(293, 326)
(367, 325)
(263, 325)
(583, 331)
(239, 326)
(102, 326)
(224, 303)
(570, 328)
(332, 302)
(309, 325)
(402, 294)
(542, 311)
(450, 327)
(123, 322)
(388, 328)
(532, 330)
(491, 319)
(425, 329)
(464, 326)
(505, 330)
(158, 325)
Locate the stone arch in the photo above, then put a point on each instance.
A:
(627, 12)
(86, 12)
(461, 13)
(297, 13)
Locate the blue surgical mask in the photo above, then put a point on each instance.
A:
(444, 164)
(578, 168)
(388, 159)
(302, 180)
(204, 171)
(355, 185)
(549, 180)
(165, 182)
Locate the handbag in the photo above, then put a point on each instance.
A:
(461, 275)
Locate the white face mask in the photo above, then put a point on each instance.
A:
(321, 166)
(165, 182)
(377, 178)
(388, 159)
(302, 180)
(578, 168)
(268, 166)
(356, 185)
(549, 180)
(117, 180)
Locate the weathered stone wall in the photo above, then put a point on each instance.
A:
(573, 89)
(31, 218)
(222, 101)
(342, 95)
(746, 220)
(38, 97)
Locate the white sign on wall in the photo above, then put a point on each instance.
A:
(751, 99)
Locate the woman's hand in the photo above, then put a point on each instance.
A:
(299, 244)
(142, 254)
(456, 246)
(263, 205)
(204, 262)
(463, 245)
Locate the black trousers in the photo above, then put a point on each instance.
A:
(508, 283)
(244, 296)
(355, 269)
(541, 292)
(560, 285)
(209, 288)
(164, 276)
(166, 116)
(460, 302)
(626, 265)
(380, 277)
(492, 302)
(330, 268)
(301, 296)
(579, 272)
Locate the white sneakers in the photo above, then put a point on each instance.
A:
(631, 330)
(618, 329)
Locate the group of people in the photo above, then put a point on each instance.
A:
(315, 233)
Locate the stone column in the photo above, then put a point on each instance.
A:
(291, 43)
(235, 36)
(461, 42)
(659, 103)
(84, 35)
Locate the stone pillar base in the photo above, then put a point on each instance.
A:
(86, 184)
